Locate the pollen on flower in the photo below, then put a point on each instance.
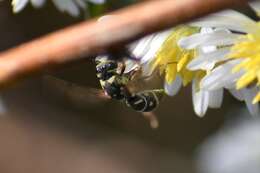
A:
(249, 49)
(172, 59)
(257, 98)
(246, 79)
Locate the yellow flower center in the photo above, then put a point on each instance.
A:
(248, 48)
(172, 59)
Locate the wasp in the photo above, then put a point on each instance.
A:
(114, 80)
(114, 76)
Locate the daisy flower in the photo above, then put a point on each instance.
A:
(205, 53)
(221, 53)
(161, 51)
(233, 149)
(71, 7)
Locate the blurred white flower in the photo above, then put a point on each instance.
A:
(71, 7)
(233, 149)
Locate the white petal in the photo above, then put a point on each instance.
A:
(142, 46)
(249, 95)
(230, 80)
(207, 49)
(221, 76)
(19, 5)
(215, 98)
(206, 61)
(210, 39)
(237, 94)
(173, 88)
(228, 19)
(205, 30)
(68, 6)
(155, 45)
(200, 100)
(37, 3)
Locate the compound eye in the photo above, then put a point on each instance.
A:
(112, 65)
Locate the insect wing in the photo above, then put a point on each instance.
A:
(73, 93)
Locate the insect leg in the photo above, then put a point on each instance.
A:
(145, 101)
(151, 117)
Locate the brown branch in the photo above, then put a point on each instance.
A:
(91, 38)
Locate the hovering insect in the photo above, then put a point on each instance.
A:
(114, 81)
(115, 75)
